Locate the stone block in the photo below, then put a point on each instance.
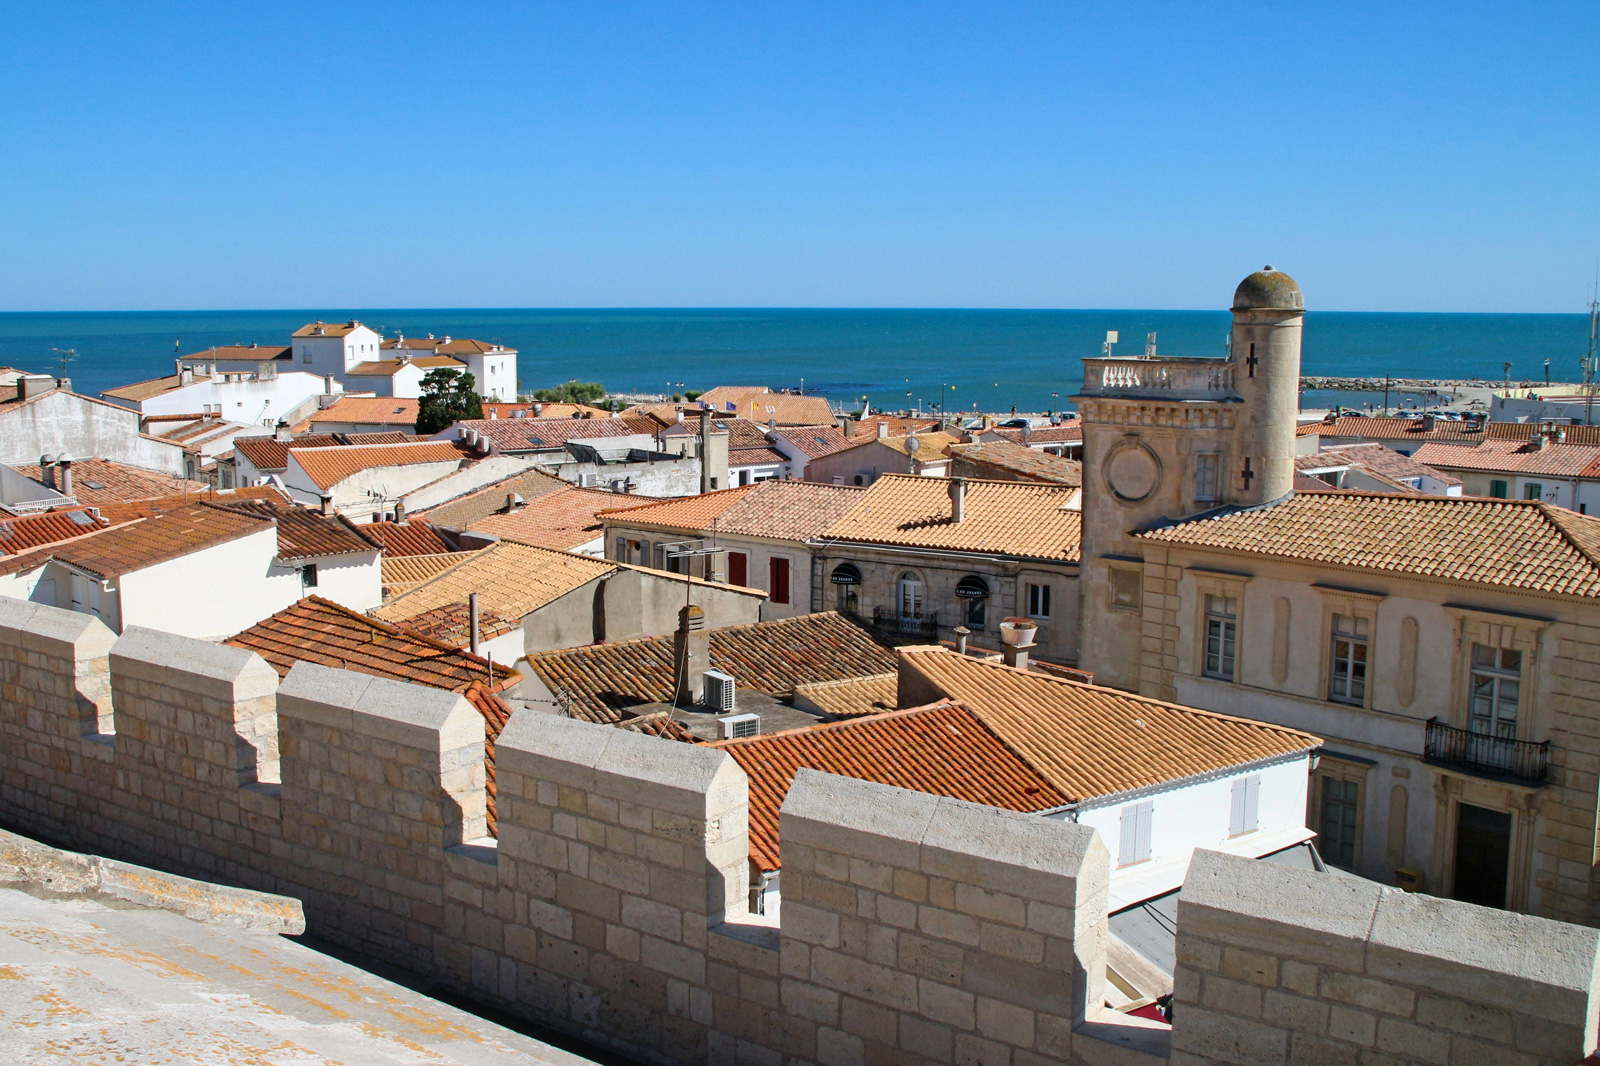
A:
(855, 977)
(1367, 993)
(1210, 1035)
(1256, 967)
(859, 819)
(1356, 1026)
(188, 664)
(1296, 1013)
(949, 1005)
(56, 632)
(1005, 1022)
(929, 1041)
(1231, 997)
(1037, 858)
(835, 1047)
(1524, 964)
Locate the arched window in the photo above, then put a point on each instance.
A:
(973, 592)
(910, 595)
(846, 578)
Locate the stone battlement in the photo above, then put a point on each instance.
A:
(613, 903)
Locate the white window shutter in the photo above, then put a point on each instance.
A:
(1252, 802)
(1130, 836)
(1145, 812)
(1236, 816)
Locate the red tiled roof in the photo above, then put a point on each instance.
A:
(446, 345)
(269, 453)
(32, 531)
(375, 410)
(786, 510)
(464, 510)
(943, 749)
(758, 404)
(326, 467)
(145, 542)
(1019, 518)
(416, 537)
(1068, 432)
(1030, 464)
(320, 328)
(1513, 457)
(544, 434)
(815, 441)
(304, 533)
(97, 481)
(565, 519)
(899, 426)
(452, 624)
(1378, 459)
(601, 681)
(117, 513)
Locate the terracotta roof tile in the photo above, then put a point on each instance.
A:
(759, 405)
(1029, 463)
(1377, 459)
(544, 434)
(463, 511)
(404, 572)
(97, 481)
(786, 510)
(117, 513)
(943, 749)
(867, 428)
(815, 441)
(1507, 543)
(382, 410)
(268, 453)
(600, 682)
(1069, 431)
(452, 624)
(144, 542)
(659, 724)
(304, 533)
(546, 410)
(446, 345)
(930, 445)
(327, 467)
(24, 532)
(1003, 517)
(386, 368)
(416, 537)
(852, 697)
(320, 328)
(564, 519)
(1089, 741)
(1512, 457)
(1464, 431)
(510, 579)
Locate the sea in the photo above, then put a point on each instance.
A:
(974, 360)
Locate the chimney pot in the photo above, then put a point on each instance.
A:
(883, 430)
(327, 505)
(691, 646)
(64, 465)
(958, 498)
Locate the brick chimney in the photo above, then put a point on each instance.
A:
(691, 654)
(281, 431)
(883, 430)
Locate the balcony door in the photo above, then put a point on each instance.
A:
(910, 596)
(1483, 852)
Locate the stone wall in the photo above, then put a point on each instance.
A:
(614, 903)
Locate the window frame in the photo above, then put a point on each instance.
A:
(1037, 600)
(1214, 480)
(1499, 490)
(308, 576)
(1354, 603)
(1533, 490)
(1496, 675)
(1227, 626)
(1136, 575)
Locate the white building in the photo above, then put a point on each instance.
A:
(39, 416)
(365, 482)
(236, 396)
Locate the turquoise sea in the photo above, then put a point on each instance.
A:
(989, 360)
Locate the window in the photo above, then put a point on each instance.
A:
(1348, 680)
(1533, 491)
(778, 575)
(1222, 636)
(910, 596)
(1135, 826)
(973, 592)
(846, 577)
(1497, 490)
(738, 569)
(305, 355)
(308, 576)
(1038, 601)
(1337, 832)
(622, 550)
(1205, 476)
(1496, 689)
(1246, 805)
(1125, 589)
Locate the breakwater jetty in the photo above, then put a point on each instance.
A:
(1420, 384)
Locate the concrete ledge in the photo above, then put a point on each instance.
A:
(857, 818)
(71, 873)
(1040, 858)
(1111, 1038)
(215, 670)
(54, 630)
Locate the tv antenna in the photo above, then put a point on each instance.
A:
(1591, 361)
(1111, 339)
(69, 354)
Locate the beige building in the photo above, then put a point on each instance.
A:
(1445, 647)
(926, 454)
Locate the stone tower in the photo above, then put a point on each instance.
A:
(1169, 437)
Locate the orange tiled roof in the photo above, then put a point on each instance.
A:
(24, 532)
(786, 510)
(544, 434)
(1377, 459)
(117, 513)
(601, 681)
(867, 429)
(852, 697)
(145, 542)
(1465, 431)
(97, 481)
(416, 537)
(1068, 432)
(304, 533)
(1512, 457)
(239, 352)
(944, 749)
(930, 445)
(659, 724)
(1089, 741)
(1001, 517)
(1507, 543)
(269, 453)
(320, 328)
(404, 572)
(565, 519)
(510, 579)
(386, 368)
(452, 624)
(463, 511)
(492, 409)
(1029, 463)
(377, 410)
(815, 441)
(757, 404)
(446, 345)
(326, 467)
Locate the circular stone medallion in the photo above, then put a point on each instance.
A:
(1132, 471)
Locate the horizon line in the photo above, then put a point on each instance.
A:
(735, 309)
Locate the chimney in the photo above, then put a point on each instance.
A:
(1536, 442)
(494, 412)
(47, 471)
(472, 622)
(705, 451)
(691, 654)
(64, 477)
(680, 416)
(327, 505)
(64, 384)
(847, 425)
(958, 498)
(399, 512)
(538, 410)
(1429, 420)
(513, 501)
(883, 430)
(1016, 636)
(186, 376)
(962, 633)
(281, 431)
(327, 385)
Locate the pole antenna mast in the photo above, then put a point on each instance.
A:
(1591, 361)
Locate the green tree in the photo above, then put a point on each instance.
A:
(589, 392)
(448, 396)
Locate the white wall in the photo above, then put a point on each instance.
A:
(350, 495)
(484, 472)
(333, 354)
(1198, 816)
(495, 375)
(211, 594)
(253, 402)
(83, 428)
(354, 581)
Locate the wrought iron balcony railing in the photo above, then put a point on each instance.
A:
(1491, 756)
(890, 620)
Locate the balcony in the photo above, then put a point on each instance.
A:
(1486, 756)
(921, 626)
(1135, 377)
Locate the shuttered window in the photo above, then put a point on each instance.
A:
(778, 573)
(1246, 805)
(738, 568)
(1136, 819)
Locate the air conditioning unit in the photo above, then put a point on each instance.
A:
(739, 725)
(718, 693)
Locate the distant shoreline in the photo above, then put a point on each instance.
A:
(1368, 384)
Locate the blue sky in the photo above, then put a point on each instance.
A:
(1424, 157)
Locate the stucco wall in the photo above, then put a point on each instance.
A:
(64, 422)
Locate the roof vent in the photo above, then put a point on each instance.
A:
(719, 689)
(736, 726)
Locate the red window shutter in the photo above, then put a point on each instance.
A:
(780, 580)
(736, 568)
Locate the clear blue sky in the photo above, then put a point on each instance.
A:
(230, 155)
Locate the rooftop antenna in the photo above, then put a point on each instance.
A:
(69, 354)
(1591, 361)
(1149, 345)
(1111, 339)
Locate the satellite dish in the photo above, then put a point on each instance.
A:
(912, 445)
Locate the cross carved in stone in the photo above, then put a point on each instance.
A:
(1247, 474)
(1252, 360)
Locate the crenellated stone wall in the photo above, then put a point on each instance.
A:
(613, 904)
